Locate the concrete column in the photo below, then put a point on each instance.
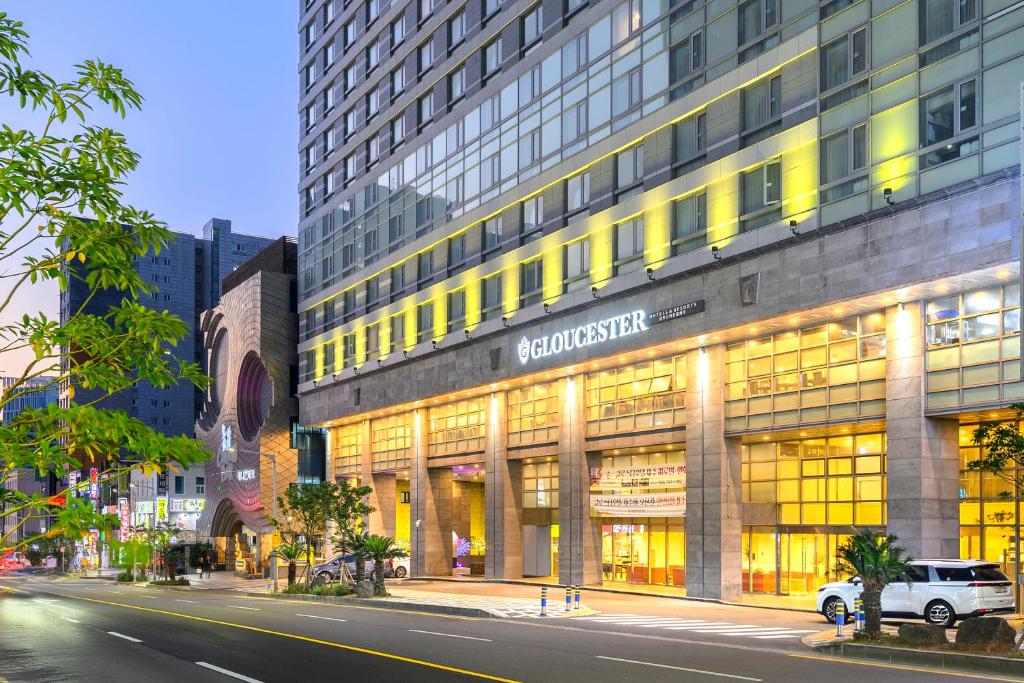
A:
(503, 499)
(579, 543)
(922, 453)
(431, 505)
(713, 493)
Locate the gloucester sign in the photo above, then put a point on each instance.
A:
(584, 335)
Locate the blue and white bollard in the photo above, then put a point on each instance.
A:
(858, 615)
(840, 618)
(543, 601)
(578, 590)
(568, 598)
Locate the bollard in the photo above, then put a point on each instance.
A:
(858, 615)
(270, 585)
(840, 618)
(578, 589)
(568, 598)
(543, 601)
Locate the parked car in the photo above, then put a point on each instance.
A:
(398, 567)
(940, 592)
(331, 570)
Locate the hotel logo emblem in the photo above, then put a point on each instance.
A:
(523, 349)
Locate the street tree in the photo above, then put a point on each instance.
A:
(304, 511)
(380, 549)
(162, 539)
(63, 220)
(348, 513)
(290, 553)
(877, 560)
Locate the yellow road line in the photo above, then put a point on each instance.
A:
(351, 648)
(904, 667)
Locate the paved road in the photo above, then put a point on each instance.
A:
(78, 630)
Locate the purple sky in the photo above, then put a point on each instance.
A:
(218, 129)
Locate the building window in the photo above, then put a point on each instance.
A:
(490, 297)
(350, 33)
(351, 77)
(626, 92)
(390, 441)
(686, 56)
(490, 7)
(426, 108)
(309, 366)
(761, 193)
(939, 18)
(625, 21)
(761, 106)
(948, 112)
(397, 130)
(351, 125)
(629, 245)
(179, 485)
(330, 140)
(533, 214)
(456, 29)
(200, 486)
(492, 56)
(348, 350)
(426, 9)
(573, 5)
(690, 137)
(457, 427)
(373, 149)
(329, 358)
(532, 26)
(533, 417)
(372, 56)
(328, 308)
(629, 166)
(843, 156)
(310, 75)
(424, 322)
(372, 341)
(574, 122)
(425, 56)
(398, 31)
(836, 481)
(347, 442)
(456, 254)
(645, 395)
(689, 223)
(491, 235)
(831, 371)
(397, 333)
(310, 116)
(457, 310)
(372, 10)
(456, 84)
(577, 191)
(973, 344)
(844, 58)
(756, 18)
(397, 280)
(424, 265)
(529, 147)
(310, 33)
(372, 103)
(576, 260)
(329, 56)
(397, 80)
(531, 282)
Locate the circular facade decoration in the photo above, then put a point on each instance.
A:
(219, 371)
(255, 395)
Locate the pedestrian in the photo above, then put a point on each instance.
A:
(208, 564)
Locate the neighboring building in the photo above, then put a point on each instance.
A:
(662, 293)
(187, 273)
(250, 410)
(37, 394)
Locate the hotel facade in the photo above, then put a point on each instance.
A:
(660, 292)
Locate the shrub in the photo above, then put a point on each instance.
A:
(125, 577)
(170, 582)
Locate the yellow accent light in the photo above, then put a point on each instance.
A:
(360, 333)
(473, 304)
(552, 271)
(440, 301)
(658, 234)
(602, 255)
(893, 141)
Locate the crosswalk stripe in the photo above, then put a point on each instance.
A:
(782, 635)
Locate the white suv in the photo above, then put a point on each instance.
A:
(940, 591)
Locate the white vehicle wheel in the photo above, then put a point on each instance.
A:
(400, 572)
(940, 613)
(829, 610)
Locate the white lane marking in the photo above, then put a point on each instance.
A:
(680, 668)
(227, 673)
(121, 635)
(73, 621)
(313, 616)
(449, 635)
(87, 589)
(251, 609)
(180, 600)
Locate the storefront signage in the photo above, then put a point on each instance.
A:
(194, 504)
(124, 513)
(643, 477)
(584, 335)
(246, 475)
(177, 505)
(94, 484)
(73, 479)
(638, 505)
(144, 507)
(161, 509)
(680, 311)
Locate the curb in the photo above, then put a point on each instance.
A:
(379, 603)
(955, 661)
(614, 591)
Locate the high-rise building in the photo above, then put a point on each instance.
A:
(34, 393)
(663, 292)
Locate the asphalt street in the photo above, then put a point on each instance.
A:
(81, 630)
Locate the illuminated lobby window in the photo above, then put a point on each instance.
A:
(832, 371)
(639, 396)
(391, 438)
(540, 485)
(974, 347)
(348, 446)
(987, 519)
(456, 427)
(838, 480)
(533, 414)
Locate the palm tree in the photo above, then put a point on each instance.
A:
(290, 553)
(380, 549)
(877, 560)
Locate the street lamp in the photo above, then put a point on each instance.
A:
(273, 463)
